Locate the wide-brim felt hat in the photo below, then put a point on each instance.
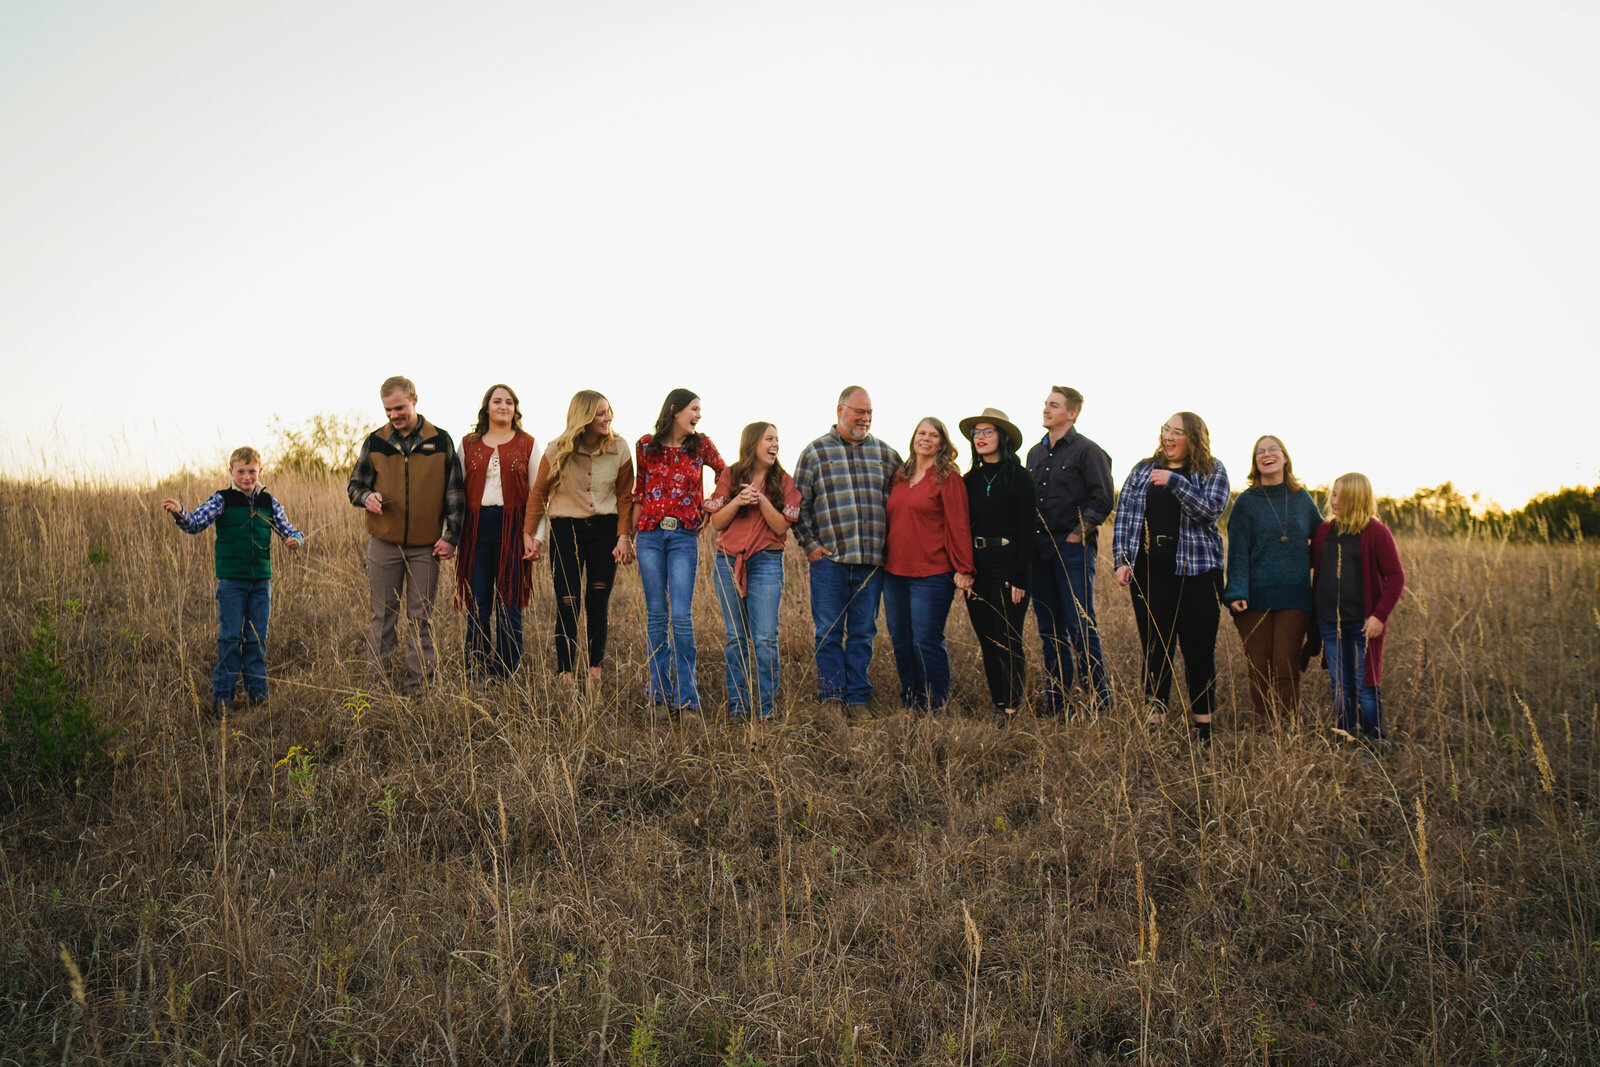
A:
(996, 418)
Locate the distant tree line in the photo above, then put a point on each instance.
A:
(328, 444)
(1443, 511)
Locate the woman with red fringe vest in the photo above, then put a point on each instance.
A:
(492, 580)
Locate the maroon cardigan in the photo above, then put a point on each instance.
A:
(1382, 582)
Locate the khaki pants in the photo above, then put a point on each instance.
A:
(1272, 643)
(391, 570)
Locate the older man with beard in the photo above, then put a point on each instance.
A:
(843, 477)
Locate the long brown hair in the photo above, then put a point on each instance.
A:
(749, 445)
(1200, 460)
(1290, 482)
(675, 402)
(944, 460)
(580, 413)
(483, 410)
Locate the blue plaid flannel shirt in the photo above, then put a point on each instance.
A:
(206, 514)
(1201, 502)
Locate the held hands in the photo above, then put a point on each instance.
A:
(1159, 476)
(531, 546)
(374, 504)
(624, 552)
(1372, 629)
(748, 494)
(1124, 574)
(441, 548)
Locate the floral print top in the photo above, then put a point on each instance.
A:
(669, 483)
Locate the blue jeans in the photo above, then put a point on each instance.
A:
(1063, 603)
(751, 652)
(1353, 700)
(844, 615)
(668, 560)
(489, 607)
(916, 610)
(243, 606)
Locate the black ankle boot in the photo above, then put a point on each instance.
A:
(1202, 731)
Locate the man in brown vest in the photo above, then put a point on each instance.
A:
(409, 481)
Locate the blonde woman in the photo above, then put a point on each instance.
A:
(1357, 581)
(929, 557)
(580, 503)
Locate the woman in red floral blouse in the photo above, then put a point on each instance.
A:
(668, 501)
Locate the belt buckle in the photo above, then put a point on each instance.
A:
(668, 523)
(980, 542)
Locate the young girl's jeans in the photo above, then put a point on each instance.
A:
(1354, 701)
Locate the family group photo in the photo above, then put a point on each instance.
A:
(829, 534)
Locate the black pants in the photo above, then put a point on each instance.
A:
(576, 546)
(998, 624)
(1174, 613)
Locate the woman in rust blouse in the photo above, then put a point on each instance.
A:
(929, 557)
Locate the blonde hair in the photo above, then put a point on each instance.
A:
(397, 384)
(244, 455)
(944, 460)
(580, 413)
(1356, 504)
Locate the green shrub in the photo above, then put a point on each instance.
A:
(48, 731)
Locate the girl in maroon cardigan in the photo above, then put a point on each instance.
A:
(1357, 581)
(492, 581)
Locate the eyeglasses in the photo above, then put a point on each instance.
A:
(859, 411)
(984, 431)
(1269, 450)
(1174, 431)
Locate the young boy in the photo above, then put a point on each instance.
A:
(246, 515)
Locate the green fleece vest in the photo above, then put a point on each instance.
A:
(244, 535)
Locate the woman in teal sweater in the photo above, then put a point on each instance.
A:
(1269, 576)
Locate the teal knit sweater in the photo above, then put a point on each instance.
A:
(1269, 553)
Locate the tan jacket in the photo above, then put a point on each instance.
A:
(592, 483)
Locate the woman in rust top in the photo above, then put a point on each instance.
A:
(492, 581)
(668, 505)
(751, 508)
(580, 505)
(929, 557)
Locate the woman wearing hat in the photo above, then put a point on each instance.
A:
(928, 557)
(1000, 505)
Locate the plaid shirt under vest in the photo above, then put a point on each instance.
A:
(1201, 502)
(844, 490)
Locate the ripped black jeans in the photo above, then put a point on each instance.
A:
(583, 568)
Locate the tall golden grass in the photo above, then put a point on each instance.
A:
(533, 875)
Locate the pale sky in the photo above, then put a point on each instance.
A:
(1370, 228)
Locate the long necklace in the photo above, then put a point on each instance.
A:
(988, 482)
(1283, 523)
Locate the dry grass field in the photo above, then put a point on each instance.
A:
(522, 874)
